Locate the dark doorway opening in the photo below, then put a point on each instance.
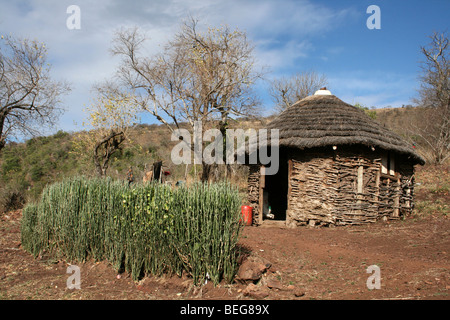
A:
(275, 193)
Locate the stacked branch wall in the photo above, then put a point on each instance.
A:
(324, 188)
(253, 187)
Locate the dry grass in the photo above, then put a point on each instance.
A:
(433, 190)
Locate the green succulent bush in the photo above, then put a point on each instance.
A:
(143, 229)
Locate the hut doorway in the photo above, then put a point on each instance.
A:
(275, 194)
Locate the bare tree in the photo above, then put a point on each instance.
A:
(29, 98)
(286, 91)
(200, 76)
(434, 98)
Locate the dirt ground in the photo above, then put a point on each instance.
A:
(307, 263)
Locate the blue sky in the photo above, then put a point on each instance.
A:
(373, 67)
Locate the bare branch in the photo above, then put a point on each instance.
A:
(29, 99)
(434, 96)
(201, 75)
(287, 91)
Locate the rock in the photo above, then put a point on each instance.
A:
(254, 291)
(298, 292)
(290, 287)
(252, 269)
(249, 271)
(274, 284)
(272, 281)
(250, 288)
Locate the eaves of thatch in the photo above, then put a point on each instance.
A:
(325, 120)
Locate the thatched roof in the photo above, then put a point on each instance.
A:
(325, 120)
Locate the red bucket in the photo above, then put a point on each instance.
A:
(246, 214)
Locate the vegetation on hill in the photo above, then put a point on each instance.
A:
(26, 168)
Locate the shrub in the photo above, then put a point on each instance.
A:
(60, 134)
(11, 198)
(36, 172)
(145, 229)
(11, 163)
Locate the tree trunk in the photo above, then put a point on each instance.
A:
(206, 171)
(223, 126)
(101, 167)
(105, 149)
(2, 122)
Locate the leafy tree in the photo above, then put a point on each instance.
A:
(369, 112)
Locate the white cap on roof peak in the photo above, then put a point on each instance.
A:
(323, 92)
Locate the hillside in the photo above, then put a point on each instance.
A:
(397, 119)
(25, 168)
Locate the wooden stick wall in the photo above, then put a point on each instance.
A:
(341, 189)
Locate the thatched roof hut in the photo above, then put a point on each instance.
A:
(337, 166)
(325, 120)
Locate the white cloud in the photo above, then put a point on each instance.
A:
(283, 32)
(379, 89)
(282, 55)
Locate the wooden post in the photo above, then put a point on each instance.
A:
(290, 164)
(397, 199)
(391, 166)
(377, 186)
(262, 184)
(388, 184)
(360, 179)
(360, 184)
(384, 164)
(408, 201)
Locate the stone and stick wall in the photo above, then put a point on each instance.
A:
(341, 188)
